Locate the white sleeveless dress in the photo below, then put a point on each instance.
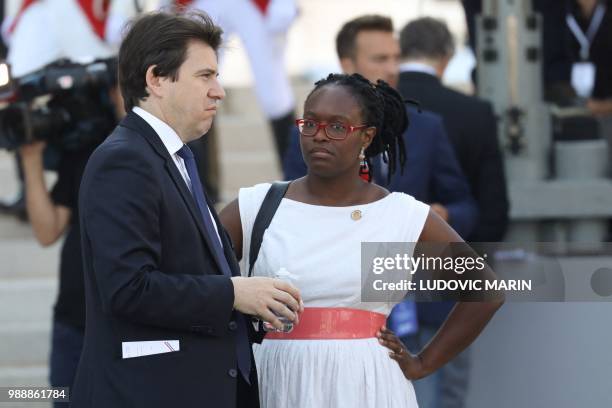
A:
(322, 246)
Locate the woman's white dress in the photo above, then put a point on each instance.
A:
(321, 246)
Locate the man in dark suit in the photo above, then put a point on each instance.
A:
(426, 48)
(366, 45)
(166, 320)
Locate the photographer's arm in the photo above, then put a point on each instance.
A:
(48, 220)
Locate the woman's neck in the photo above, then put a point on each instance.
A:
(336, 191)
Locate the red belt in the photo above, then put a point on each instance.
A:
(333, 323)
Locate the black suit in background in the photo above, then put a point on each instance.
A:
(151, 274)
(472, 130)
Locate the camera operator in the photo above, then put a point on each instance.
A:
(53, 214)
(71, 124)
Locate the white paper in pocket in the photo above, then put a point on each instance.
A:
(132, 349)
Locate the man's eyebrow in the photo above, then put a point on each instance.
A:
(382, 56)
(206, 71)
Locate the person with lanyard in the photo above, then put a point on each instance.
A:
(590, 25)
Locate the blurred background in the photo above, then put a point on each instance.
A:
(553, 124)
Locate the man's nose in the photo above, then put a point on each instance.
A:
(216, 91)
(392, 69)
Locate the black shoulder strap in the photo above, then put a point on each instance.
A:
(264, 218)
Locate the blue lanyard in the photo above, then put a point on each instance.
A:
(586, 39)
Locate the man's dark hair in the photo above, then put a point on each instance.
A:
(161, 39)
(426, 38)
(347, 36)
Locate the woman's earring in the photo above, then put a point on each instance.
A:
(364, 169)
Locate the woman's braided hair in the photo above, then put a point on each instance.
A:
(382, 107)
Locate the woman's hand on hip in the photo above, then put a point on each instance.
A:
(411, 364)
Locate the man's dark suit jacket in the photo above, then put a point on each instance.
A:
(432, 173)
(151, 274)
(472, 130)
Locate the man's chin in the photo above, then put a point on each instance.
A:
(204, 129)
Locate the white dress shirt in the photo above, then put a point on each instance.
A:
(418, 67)
(173, 144)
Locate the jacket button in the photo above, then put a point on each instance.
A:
(232, 325)
(233, 372)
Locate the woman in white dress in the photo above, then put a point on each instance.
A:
(335, 356)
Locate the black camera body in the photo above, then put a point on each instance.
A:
(77, 111)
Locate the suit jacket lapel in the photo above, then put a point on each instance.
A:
(135, 122)
(193, 208)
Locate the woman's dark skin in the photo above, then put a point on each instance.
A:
(333, 180)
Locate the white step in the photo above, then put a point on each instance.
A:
(242, 101)
(25, 343)
(25, 258)
(235, 133)
(23, 376)
(27, 300)
(12, 228)
(247, 169)
(8, 186)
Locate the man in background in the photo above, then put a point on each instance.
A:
(426, 49)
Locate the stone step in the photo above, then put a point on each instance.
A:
(28, 375)
(243, 101)
(24, 376)
(12, 228)
(25, 258)
(27, 300)
(246, 169)
(25, 343)
(26, 405)
(8, 186)
(235, 133)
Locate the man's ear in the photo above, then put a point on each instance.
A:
(154, 82)
(442, 65)
(347, 65)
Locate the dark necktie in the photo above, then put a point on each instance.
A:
(243, 352)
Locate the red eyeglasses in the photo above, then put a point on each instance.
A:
(334, 130)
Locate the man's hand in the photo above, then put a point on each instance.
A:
(600, 107)
(411, 365)
(440, 210)
(266, 298)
